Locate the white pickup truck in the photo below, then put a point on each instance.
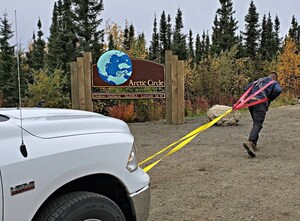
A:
(73, 166)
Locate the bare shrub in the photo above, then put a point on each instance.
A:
(156, 111)
(124, 112)
(200, 105)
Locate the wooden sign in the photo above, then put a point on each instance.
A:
(144, 74)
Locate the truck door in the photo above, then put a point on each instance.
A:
(1, 197)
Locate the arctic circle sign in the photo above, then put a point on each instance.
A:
(115, 69)
(144, 74)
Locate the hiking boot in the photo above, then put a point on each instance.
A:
(248, 145)
(255, 148)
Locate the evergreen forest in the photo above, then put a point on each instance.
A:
(219, 62)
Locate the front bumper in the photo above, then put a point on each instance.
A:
(141, 203)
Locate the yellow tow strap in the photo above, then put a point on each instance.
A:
(181, 142)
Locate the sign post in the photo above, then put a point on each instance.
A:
(175, 106)
(116, 70)
(81, 83)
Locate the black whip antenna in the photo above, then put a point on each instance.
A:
(22, 146)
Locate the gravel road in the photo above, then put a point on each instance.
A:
(212, 178)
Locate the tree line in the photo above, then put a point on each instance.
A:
(217, 64)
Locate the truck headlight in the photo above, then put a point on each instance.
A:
(132, 163)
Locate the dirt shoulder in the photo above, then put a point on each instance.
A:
(212, 177)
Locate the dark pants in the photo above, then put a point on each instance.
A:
(258, 114)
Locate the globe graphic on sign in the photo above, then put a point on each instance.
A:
(114, 67)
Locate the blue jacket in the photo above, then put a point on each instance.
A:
(272, 91)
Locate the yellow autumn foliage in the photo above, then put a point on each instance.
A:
(289, 67)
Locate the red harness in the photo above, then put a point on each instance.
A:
(243, 101)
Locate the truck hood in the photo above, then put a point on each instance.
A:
(52, 123)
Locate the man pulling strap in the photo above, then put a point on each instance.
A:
(258, 111)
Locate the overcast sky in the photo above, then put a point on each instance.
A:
(198, 15)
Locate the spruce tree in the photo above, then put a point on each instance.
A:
(169, 33)
(163, 38)
(68, 35)
(191, 53)
(294, 31)
(198, 49)
(10, 90)
(179, 45)
(241, 52)
(55, 49)
(216, 40)
(268, 48)
(9, 93)
(202, 48)
(87, 22)
(111, 44)
(154, 53)
(126, 44)
(206, 46)
(251, 34)
(131, 36)
(128, 38)
(62, 41)
(38, 49)
(6, 50)
(263, 38)
(277, 32)
(223, 36)
(271, 41)
(7, 73)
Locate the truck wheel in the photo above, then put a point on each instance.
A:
(81, 206)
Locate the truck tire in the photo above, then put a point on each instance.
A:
(81, 206)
